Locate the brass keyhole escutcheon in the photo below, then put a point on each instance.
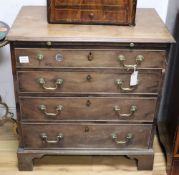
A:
(88, 103)
(90, 57)
(89, 78)
(86, 129)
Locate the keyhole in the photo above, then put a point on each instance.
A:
(86, 129)
(89, 78)
(90, 57)
(88, 103)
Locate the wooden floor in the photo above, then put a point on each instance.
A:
(68, 165)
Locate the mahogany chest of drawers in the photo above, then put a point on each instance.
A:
(87, 90)
(117, 12)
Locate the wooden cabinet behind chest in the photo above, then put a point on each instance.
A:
(87, 95)
(117, 12)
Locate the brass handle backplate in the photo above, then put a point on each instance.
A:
(128, 139)
(120, 83)
(59, 137)
(59, 109)
(58, 83)
(40, 57)
(117, 110)
(139, 60)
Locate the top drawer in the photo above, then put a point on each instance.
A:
(117, 58)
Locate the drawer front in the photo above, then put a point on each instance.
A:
(67, 15)
(88, 109)
(106, 16)
(120, 6)
(61, 3)
(76, 15)
(88, 82)
(59, 136)
(50, 58)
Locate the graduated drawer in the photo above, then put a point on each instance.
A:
(88, 82)
(88, 109)
(55, 58)
(99, 136)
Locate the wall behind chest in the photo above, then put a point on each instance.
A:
(8, 12)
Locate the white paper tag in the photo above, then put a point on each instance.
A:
(24, 59)
(134, 78)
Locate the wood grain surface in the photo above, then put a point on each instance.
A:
(77, 165)
(149, 29)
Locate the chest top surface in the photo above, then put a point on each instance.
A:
(31, 25)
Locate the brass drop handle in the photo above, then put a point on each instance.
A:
(44, 137)
(120, 83)
(58, 83)
(117, 110)
(40, 57)
(59, 109)
(122, 59)
(128, 139)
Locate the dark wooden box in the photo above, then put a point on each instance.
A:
(113, 12)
